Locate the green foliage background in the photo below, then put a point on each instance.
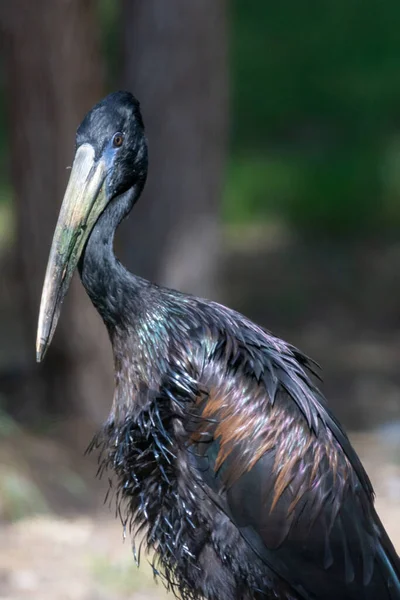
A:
(315, 136)
(316, 99)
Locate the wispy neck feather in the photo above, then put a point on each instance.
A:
(105, 279)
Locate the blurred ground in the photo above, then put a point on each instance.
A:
(83, 557)
(76, 559)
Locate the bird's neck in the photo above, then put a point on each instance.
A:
(110, 286)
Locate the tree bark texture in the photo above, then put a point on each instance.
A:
(176, 64)
(54, 75)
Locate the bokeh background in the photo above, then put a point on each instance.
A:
(274, 186)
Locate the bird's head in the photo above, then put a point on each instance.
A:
(109, 171)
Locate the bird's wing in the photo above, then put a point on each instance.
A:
(276, 461)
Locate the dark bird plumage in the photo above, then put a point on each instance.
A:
(226, 460)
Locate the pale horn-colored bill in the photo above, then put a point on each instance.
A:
(84, 201)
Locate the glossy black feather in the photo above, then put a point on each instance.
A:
(330, 545)
(226, 457)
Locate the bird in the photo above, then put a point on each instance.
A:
(224, 457)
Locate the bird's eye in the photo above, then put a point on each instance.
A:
(118, 140)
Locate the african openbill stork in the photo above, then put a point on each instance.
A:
(225, 454)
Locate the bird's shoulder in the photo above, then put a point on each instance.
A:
(268, 451)
(276, 460)
(261, 391)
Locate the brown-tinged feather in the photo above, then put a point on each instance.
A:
(244, 413)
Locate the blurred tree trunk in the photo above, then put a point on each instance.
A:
(175, 62)
(54, 75)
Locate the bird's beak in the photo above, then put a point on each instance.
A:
(84, 201)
